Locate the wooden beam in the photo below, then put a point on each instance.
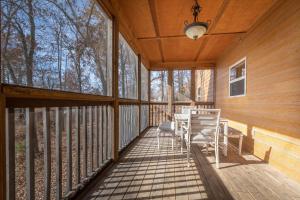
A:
(2, 149)
(202, 46)
(218, 16)
(184, 36)
(139, 89)
(115, 88)
(170, 94)
(153, 13)
(182, 65)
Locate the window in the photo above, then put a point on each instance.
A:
(128, 65)
(237, 79)
(204, 85)
(59, 45)
(144, 83)
(159, 82)
(182, 85)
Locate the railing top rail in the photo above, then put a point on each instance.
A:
(182, 103)
(21, 96)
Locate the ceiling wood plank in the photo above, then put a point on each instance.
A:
(218, 16)
(153, 12)
(212, 26)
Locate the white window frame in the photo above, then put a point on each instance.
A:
(238, 79)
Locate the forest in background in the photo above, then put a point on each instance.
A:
(64, 45)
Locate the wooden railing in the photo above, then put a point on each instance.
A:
(144, 121)
(56, 142)
(159, 110)
(129, 124)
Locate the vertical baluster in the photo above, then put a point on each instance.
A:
(47, 153)
(97, 136)
(77, 141)
(129, 124)
(158, 113)
(91, 137)
(69, 148)
(123, 125)
(151, 114)
(58, 113)
(101, 135)
(104, 133)
(84, 142)
(121, 128)
(109, 132)
(30, 131)
(154, 115)
(10, 153)
(107, 144)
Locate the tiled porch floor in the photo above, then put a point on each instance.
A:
(146, 173)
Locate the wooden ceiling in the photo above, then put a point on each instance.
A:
(157, 26)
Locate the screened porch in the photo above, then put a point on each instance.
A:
(92, 92)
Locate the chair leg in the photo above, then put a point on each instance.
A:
(188, 154)
(181, 145)
(172, 143)
(217, 155)
(158, 133)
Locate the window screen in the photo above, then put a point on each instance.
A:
(59, 45)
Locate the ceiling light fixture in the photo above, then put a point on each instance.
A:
(195, 29)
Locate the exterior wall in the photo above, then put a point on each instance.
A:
(269, 114)
(204, 88)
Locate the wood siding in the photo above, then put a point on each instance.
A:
(204, 82)
(269, 114)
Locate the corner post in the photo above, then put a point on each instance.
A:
(170, 94)
(139, 89)
(149, 97)
(2, 148)
(115, 88)
(193, 87)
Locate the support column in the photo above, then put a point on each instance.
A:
(2, 148)
(170, 94)
(139, 89)
(149, 97)
(193, 87)
(214, 86)
(115, 88)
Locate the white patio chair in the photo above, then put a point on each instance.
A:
(203, 128)
(167, 127)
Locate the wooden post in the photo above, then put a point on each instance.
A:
(139, 89)
(193, 87)
(149, 97)
(170, 94)
(2, 149)
(115, 87)
(214, 86)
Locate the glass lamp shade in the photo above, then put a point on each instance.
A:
(195, 30)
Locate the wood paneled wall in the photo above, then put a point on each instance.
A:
(269, 114)
(204, 85)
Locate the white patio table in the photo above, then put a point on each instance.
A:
(183, 118)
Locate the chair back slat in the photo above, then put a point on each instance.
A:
(204, 119)
(186, 109)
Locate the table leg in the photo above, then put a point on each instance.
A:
(240, 145)
(225, 149)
